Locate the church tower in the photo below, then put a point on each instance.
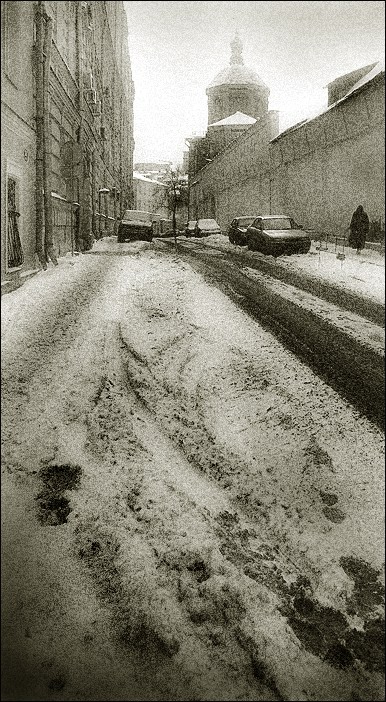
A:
(236, 89)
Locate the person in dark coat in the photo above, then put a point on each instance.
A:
(359, 229)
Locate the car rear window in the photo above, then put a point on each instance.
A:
(245, 221)
(208, 223)
(277, 223)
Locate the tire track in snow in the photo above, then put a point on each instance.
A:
(146, 609)
(259, 563)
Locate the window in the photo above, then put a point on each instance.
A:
(276, 223)
(13, 51)
(15, 257)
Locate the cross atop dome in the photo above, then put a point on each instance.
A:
(236, 51)
(236, 89)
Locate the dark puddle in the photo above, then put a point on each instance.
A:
(368, 592)
(326, 632)
(53, 506)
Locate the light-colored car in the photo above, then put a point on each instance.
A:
(135, 225)
(276, 235)
(189, 229)
(206, 227)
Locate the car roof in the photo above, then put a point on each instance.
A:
(279, 216)
(135, 212)
(207, 219)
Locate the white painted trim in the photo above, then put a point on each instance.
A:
(59, 197)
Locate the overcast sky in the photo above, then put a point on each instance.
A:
(176, 49)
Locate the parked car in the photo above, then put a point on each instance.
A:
(276, 235)
(238, 229)
(161, 226)
(189, 229)
(135, 225)
(206, 227)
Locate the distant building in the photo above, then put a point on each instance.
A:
(67, 129)
(237, 99)
(156, 170)
(150, 195)
(220, 134)
(185, 162)
(236, 89)
(317, 171)
(340, 87)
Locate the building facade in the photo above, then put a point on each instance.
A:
(237, 98)
(67, 129)
(317, 172)
(236, 89)
(150, 195)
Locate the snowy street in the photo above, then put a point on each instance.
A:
(188, 511)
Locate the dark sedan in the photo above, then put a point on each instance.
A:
(276, 235)
(238, 229)
(189, 229)
(136, 225)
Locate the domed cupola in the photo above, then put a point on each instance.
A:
(236, 89)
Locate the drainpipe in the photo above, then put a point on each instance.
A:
(80, 106)
(39, 67)
(80, 137)
(49, 245)
(93, 191)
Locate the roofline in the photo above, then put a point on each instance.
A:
(349, 95)
(356, 70)
(261, 86)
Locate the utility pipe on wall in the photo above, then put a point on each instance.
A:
(80, 135)
(39, 67)
(49, 244)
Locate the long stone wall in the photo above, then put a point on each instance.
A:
(323, 170)
(235, 183)
(317, 173)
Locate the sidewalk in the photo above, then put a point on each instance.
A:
(362, 274)
(359, 274)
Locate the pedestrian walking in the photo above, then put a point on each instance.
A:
(359, 229)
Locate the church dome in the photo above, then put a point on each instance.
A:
(236, 73)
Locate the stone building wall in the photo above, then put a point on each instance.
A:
(150, 196)
(317, 172)
(18, 139)
(90, 127)
(323, 170)
(235, 183)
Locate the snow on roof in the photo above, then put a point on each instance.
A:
(359, 72)
(377, 69)
(236, 118)
(139, 176)
(237, 75)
